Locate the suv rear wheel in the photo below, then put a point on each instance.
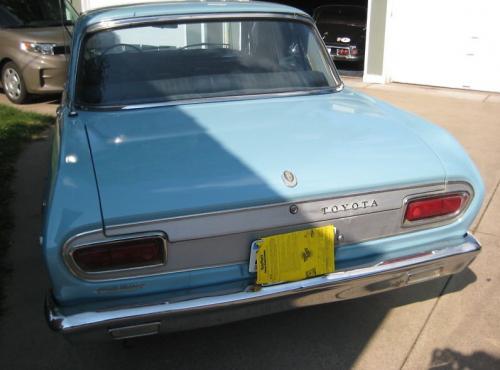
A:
(13, 84)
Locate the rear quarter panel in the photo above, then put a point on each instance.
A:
(72, 204)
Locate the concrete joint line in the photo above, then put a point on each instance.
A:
(413, 345)
(487, 207)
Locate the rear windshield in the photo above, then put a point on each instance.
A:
(169, 62)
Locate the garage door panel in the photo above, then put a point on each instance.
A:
(446, 43)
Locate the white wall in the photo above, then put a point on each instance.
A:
(449, 43)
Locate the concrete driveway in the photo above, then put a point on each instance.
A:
(446, 324)
(39, 104)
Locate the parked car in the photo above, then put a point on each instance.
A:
(343, 28)
(209, 165)
(33, 47)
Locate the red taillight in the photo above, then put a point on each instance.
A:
(342, 51)
(121, 254)
(420, 209)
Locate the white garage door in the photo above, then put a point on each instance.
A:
(452, 43)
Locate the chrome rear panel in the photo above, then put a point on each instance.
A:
(224, 238)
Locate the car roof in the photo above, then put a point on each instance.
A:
(174, 7)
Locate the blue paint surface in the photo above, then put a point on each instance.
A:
(175, 161)
(179, 160)
(206, 157)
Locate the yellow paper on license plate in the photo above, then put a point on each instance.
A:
(296, 256)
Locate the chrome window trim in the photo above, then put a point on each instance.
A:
(69, 249)
(147, 20)
(177, 18)
(217, 99)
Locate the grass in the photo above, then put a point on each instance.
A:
(16, 129)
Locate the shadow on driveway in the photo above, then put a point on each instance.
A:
(448, 359)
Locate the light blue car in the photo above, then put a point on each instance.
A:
(209, 166)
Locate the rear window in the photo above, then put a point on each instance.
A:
(182, 61)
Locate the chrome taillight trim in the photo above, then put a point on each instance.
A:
(69, 249)
(438, 220)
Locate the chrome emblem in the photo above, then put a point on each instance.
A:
(363, 204)
(289, 179)
(345, 40)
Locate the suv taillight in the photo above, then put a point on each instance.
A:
(121, 254)
(435, 206)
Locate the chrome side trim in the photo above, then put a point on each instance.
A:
(210, 224)
(69, 249)
(206, 311)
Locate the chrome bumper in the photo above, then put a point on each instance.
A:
(127, 322)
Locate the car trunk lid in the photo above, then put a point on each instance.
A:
(191, 159)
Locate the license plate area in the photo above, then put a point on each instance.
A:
(293, 256)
